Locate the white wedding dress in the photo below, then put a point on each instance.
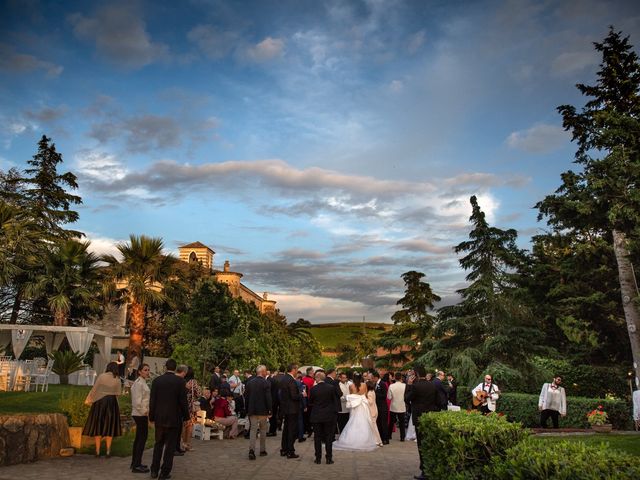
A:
(358, 434)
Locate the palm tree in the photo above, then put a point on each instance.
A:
(69, 279)
(138, 280)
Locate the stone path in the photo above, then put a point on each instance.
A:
(227, 459)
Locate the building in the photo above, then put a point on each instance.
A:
(115, 319)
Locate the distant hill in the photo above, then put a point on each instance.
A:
(331, 334)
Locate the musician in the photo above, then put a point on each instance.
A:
(488, 392)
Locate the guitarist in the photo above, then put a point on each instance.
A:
(485, 395)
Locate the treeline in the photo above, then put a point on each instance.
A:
(569, 301)
(48, 275)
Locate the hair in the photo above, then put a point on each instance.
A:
(142, 365)
(170, 365)
(309, 369)
(291, 367)
(376, 374)
(371, 385)
(182, 368)
(343, 373)
(557, 376)
(398, 376)
(357, 379)
(260, 368)
(385, 377)
(190, 373)
(223, 376)
(330, 371)
(440, 372)
(420, 371)
(113, 368)
(320, 376)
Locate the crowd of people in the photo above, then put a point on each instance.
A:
(343, 410)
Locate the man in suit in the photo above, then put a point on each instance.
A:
(258, 395)
(324, 399)
(330, 378)
(290, 406)
(167, 409)
(343, 415)
(275, 422)
(383, 410)
(216, 380)
(423, 397)
(443, 395)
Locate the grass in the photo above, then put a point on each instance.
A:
(330, 335)
(626, 443)
(49, 402)
(36, 402)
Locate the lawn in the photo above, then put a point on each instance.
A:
(625, 443)
(48, 402)
(330, 335)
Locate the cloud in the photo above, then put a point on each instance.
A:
(540, 138)
(420, 245)
(15, 62)
(46, 114)
(416, 41)
(568, 63)
(119, 35)
(99, 166)
(214, 43)
(102, 245)
(268, 49)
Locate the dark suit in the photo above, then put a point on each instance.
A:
(167, 409)
(258, 396)
(423, 397)
(443, 395)
(290, 407)
(324, 415)
(275, 420)
(383, 411)
(216, 382)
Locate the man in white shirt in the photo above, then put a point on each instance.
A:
(343, 415)
(397, 407)
(491, 395)
(552, 402)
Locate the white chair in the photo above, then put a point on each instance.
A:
(205, 429)
(41, 377)
(23, 375)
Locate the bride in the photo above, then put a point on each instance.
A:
(360, 433)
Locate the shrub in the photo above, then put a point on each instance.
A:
(523, 408)
(66, 362)
(466, 442)
(72, 405)
(563, 461)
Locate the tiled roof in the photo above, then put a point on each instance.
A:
(195, 245)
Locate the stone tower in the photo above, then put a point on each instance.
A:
(197, 252)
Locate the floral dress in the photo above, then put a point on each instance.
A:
(194, 392)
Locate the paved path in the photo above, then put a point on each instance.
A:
(227, 459)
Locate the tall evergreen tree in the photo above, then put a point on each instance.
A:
(605, 194)
(491, 326)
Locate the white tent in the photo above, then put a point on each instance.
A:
(79, 338)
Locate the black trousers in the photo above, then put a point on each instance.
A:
(419, 442)
(164, 449)
(544, 417)
(142, 432)
(275, 421)
(383, 424)
(289, 433)
(400, 419)
(343, 418)
(323, 432)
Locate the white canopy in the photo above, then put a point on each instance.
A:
(79, 338)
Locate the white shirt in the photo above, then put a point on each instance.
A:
(636, 405)
(344, 388)
(553, 399)
(140, 395)
(239, 388)
(396, 395)
(494, 394)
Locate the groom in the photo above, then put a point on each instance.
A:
(324, 415)
(383, 410)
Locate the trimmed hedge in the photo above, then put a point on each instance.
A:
(458, 445)
(523, 408)
(530, 460)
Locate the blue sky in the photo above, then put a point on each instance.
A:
(324, 148)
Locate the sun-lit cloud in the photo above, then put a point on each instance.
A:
(540, 138)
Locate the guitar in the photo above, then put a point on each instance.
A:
(479, 398)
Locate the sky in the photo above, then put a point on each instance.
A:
(322, 147)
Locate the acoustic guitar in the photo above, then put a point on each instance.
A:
(479, 398)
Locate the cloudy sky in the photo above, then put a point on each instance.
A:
(323, 147)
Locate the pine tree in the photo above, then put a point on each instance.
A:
(491, 327)
(604, 195)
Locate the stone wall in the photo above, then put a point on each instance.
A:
(27, 438)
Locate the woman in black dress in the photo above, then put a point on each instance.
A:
(104, 415)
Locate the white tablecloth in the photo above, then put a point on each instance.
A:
(81, 377)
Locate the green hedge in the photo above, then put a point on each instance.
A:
(530, 460)
(458, 445)
(523, 408)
